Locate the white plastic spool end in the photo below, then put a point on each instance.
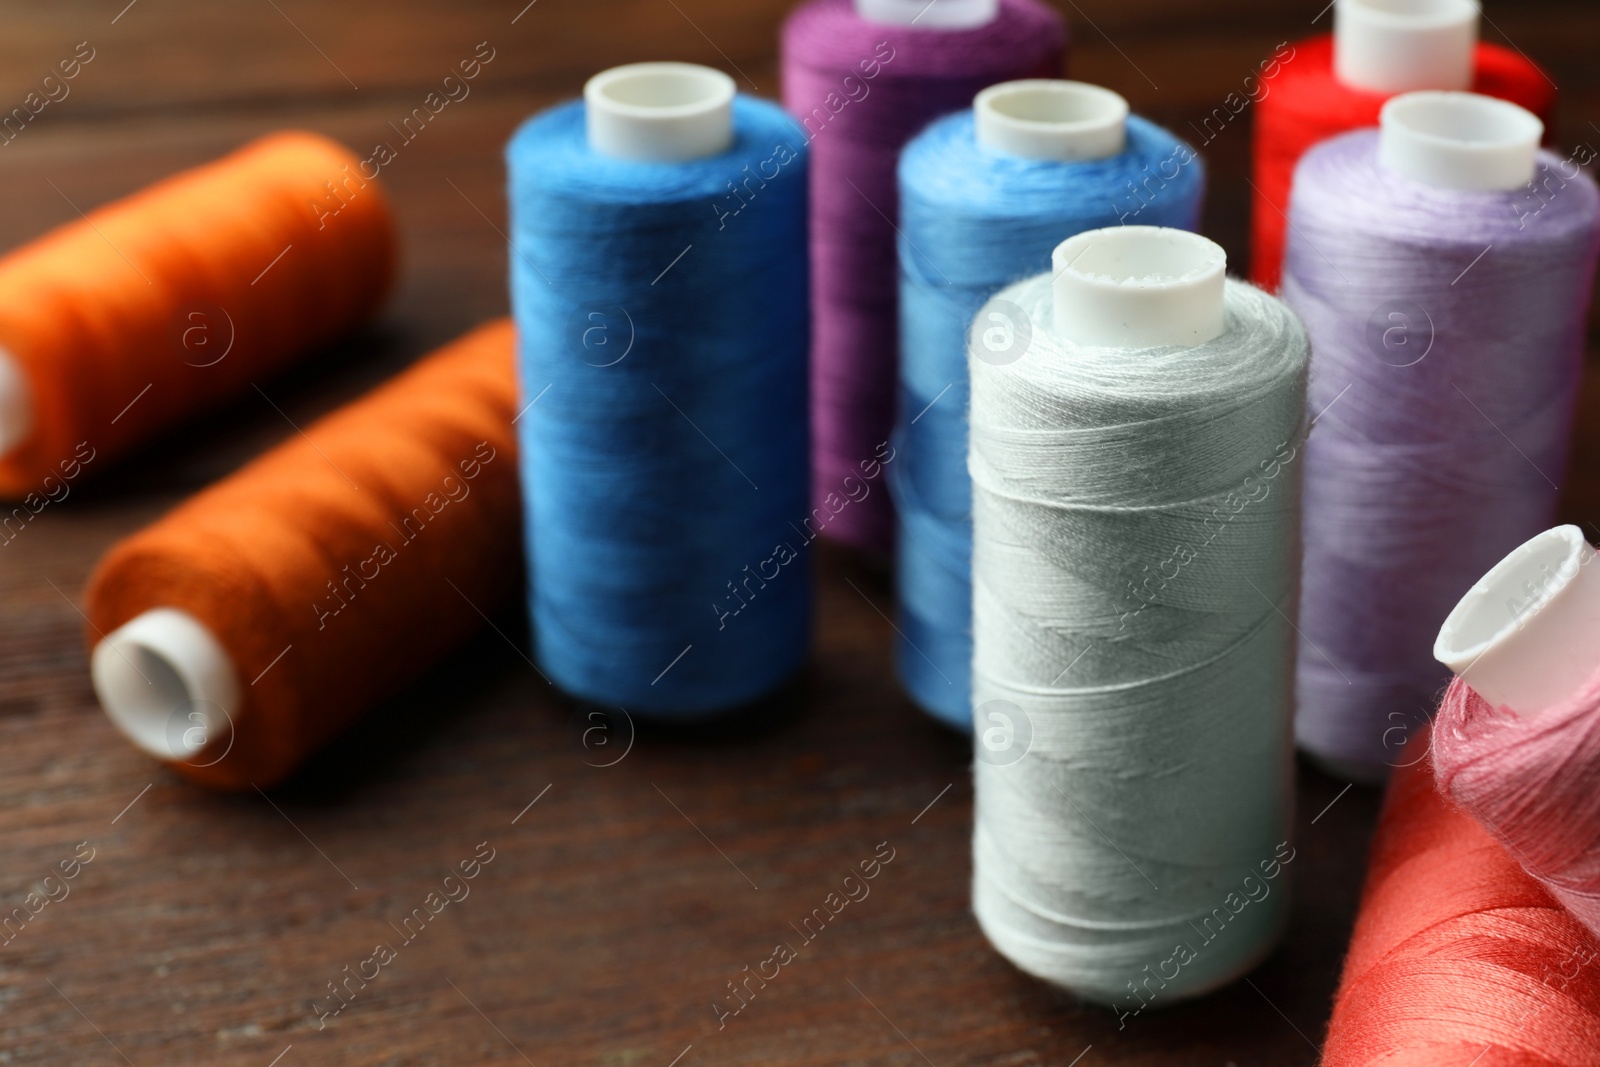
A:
(1051, 119)
(1527, 636)
(1139, 287)
(167, 683)
(930, 14)
(16, 404)
(1460, 141)
(1397, 46)
(659, 112)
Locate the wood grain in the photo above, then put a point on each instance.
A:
(618, 907)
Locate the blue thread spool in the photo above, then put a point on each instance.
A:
(985, 197)
(658, 280)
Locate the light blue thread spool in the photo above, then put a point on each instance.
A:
(985, 196)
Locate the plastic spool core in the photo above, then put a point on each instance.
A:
(930, 14)
(1051, 119)
(1460, 141)
(1527, 636)
(16, 404)
(166, 683)
(1396, 46)
(1139, 287)
(659, 112)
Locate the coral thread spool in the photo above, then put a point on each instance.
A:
(149, 310)
(1458, 956)
(247, 627)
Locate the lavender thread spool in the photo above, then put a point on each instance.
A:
(1442, 267)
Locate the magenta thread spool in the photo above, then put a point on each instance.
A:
(862, 78)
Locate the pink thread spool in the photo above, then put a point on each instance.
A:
(1517, 740)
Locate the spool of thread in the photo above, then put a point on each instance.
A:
(659, 285)
(147, 311)
(1134, 559)
(864, 78)
(1517, 742)
(1458, 956)
(1336, 83)
(985, 196)
(242, 631)
(1446, 301)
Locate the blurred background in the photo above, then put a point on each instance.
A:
(656, 867)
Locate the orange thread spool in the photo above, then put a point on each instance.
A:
(338, 566)
(162, 304)
(1458, 955)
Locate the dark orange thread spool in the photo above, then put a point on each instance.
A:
(327, 573)
(162, 304)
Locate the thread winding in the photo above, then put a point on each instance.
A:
(1158, 773)
(861, 90)
(1449, 330)
(1458, 956)
(1302, 103)
(661, 311)
(336, 567)
(973, 220)
(167, 302)
(1530, 780)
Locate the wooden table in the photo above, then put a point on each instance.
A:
(617, 907)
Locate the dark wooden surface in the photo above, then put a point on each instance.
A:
(617, 908)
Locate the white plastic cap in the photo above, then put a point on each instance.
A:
(16, 404)
(659, 112)
(1460, 140)
(167, 683)
(1396, 46)
(930, 14)
(1047, 118)
(1139, 287)
(1527, 636)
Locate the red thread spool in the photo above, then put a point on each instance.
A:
(1303, 102)
(1459, 957)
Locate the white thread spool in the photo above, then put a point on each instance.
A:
(1139, 287)
(16, 404)
(659, 112)
(1527, 635)
(1131, 772)
(1396, 46)
(1460, 140)
(930, 14)
(1051, 119)
(167, 683)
